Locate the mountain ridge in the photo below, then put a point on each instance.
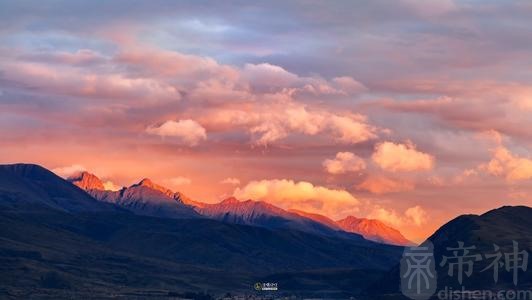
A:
(148, 198)
(374, 230)
(59, 242)
(31, 184)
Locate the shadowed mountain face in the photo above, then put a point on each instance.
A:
(499, 227)
(36, 187)
(75, 246)
(318, 218)
(374, 230)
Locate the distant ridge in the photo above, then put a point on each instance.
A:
(143, 198)
(260, 213)
(151, 199)
(374, 230)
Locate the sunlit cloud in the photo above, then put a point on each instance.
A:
(415, 215)
(401, 157)
(302, 195)
(508, 165)
(111, 186)
(344, 162)
(189, 132)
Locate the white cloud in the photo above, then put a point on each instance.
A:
(348, 85)
(300, 195)
(267, 76)
(189, 132)
(401, 157)
(344, 162)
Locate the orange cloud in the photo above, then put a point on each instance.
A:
(300, 195)
(344, 162)
(111, 186)
(387, 216)
(415, 215)
(189, 132)
(383, 185)
(401, 157)
(508, 165)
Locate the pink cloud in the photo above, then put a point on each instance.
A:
(69, 171)
(349, 85)
(189, 132)
(344, 162)
(75, 82)
(268, 76)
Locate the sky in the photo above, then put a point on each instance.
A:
(411, 112)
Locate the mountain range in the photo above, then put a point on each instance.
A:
(72, 239)
(148, 198)
(57, 241)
